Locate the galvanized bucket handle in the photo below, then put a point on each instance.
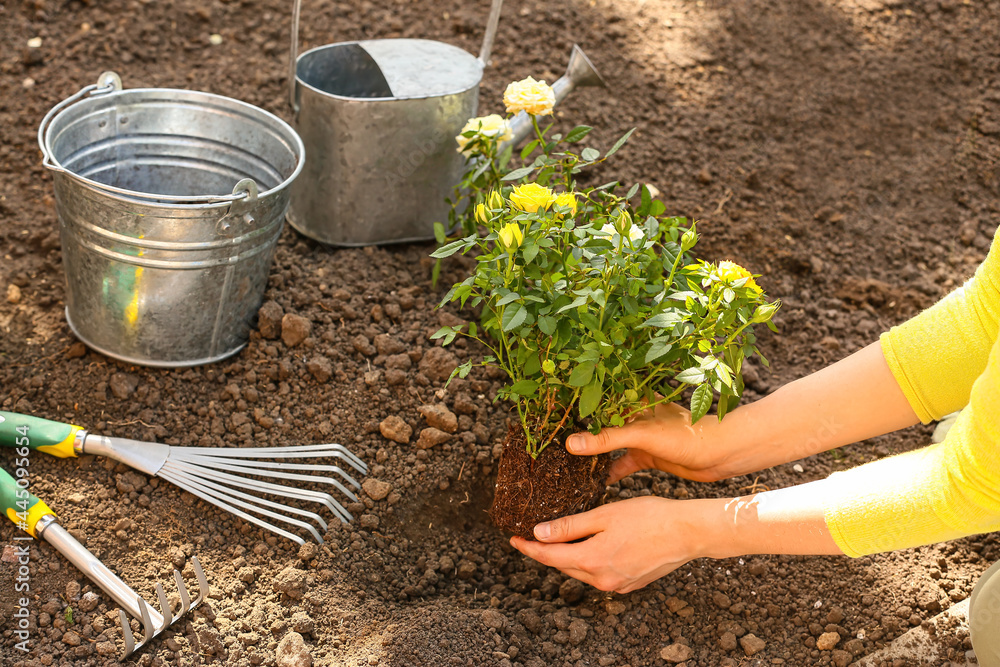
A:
(484, 53)
(109, 82)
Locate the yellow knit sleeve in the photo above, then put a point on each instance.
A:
(937, 493)
(937, 356)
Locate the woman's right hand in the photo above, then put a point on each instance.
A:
(662, 438)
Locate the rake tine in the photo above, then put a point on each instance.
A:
(229, 508)
(127, 634)
(276, 489)
(286, 475)
(164, 607)
(297, 451)
(203, 587)
(218, 495)
(213, 461)
(185, 598)
(233, 494)
(147, 624)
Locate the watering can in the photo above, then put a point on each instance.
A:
(379, 120)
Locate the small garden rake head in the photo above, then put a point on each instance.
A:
(35, 518)
(235, 479)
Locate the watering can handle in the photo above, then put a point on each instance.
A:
(484, 53)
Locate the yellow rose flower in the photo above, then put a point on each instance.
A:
(482, 217)
(511, 236)
(530, 96)
(530, 197)
(567, 199)
(495, 200)
(731, 272)
(492, 126)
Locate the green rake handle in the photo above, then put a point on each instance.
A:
(20, 505)
(41, 435)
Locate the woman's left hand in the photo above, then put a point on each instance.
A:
(629, 544)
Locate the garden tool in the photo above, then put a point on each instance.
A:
(35, 518)
(206, 472)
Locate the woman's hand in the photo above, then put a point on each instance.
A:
(631, 543)
(628, 544)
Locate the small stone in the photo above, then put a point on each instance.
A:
(388, 345)
(494, 619)
(721, 600)
(71, 639)
(292, 652)
(76, 350)
(13, 294)
(675, 604)
(827, 641)
(676, 653)
(578, 629)
(395, 429)
(614, 607)
(727, 642)
(431, 437)
(302, 623)
(376, 489)
(319, 367)
(215, 39)
(798, 468)
(363, 345)
(294, 329)
(836, 615)
(842, 658)
(369, 521)
(105, 648)
(752, 644)
(123, 385)
(35, 43)
(269, 320)
(72, 589)
(9, 556)
(440, 417)
(246, 574)
(292, 582)
(438, 363)
(757, 567)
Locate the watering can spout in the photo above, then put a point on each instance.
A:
(579, 73)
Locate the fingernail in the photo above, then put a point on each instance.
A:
(576, 444)
(542, 531)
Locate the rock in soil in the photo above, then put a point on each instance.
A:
(294, 329)
(292, 651)
(395, 429)
(269, 320)
(676, 653)
(431, 437)
(440, 417)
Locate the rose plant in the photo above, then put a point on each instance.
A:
(594, 309)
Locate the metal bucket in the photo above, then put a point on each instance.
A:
(170, 204)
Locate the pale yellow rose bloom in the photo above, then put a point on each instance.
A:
(731, 272)
(530, 96)
(495, 200)
(481, 216)
(493, 126)
(511, 236)
(635, 233)
(567, 199)
(531, 196)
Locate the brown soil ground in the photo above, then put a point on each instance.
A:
(846, 149)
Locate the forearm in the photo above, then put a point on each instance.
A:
(785, 521)
(851, 400)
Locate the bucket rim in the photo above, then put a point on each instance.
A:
(345, 98)
(151, 199)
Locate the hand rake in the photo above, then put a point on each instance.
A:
(35, 518)
(207, 472)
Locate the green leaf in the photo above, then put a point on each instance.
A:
(590, 398)
(518, 174)
(691, 376)
(509, 298)
(590, 321)
(448, 250)
(439, 234)
(578, 133)
(657, 208)
(526, 151)
(576, 303)
(513, 317)
(590, 154)
(659, 348)
(619, 143)
(722, 371)
(529, 252)
(701, 401)
(667, 318)
(582, 374)
(547, 324)
(532, 365)
(632, 190)
(524, 388)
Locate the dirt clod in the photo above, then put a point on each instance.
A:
(294, 329)
(292, 652)
(431, 437)
(269, 320)
(440, 417)
(827, 641)
(292, 582)
(752, 644)
(376, 489)
(395, 429)
(676, 653)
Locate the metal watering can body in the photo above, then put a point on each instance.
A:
(379, 120)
